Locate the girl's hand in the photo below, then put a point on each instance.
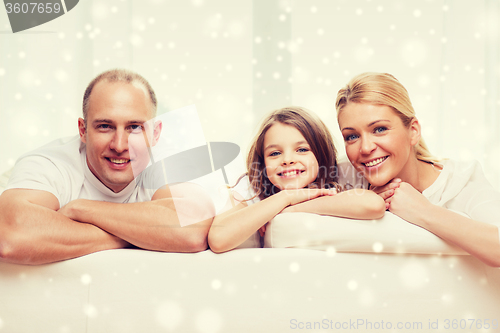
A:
(303, 194)
(407, 203)
(297, 196)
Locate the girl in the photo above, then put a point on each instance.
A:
(291, 167)
(383, 142)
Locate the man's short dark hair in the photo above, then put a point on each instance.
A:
(119, 75)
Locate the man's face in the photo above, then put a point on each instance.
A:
(117, 131)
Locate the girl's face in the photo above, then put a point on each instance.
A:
(290, 163)
(377, 143)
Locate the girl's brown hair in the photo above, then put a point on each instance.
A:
(383, 89)
(317, 136)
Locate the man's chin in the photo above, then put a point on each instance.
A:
(117, 184)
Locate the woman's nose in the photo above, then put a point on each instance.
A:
(367, 145)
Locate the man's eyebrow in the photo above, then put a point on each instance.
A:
(141, 121)
(109, 121)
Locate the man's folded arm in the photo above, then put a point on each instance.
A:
(177, 219)
(33, 232)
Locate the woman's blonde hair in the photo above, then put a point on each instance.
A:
(383, 89)
(317, 136)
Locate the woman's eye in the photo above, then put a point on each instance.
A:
(380, 129)
(350, 137)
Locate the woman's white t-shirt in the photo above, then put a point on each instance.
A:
(460, 187)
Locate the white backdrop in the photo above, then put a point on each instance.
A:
(237, 60)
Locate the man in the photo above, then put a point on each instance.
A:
(91, 193)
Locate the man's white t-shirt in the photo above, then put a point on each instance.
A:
(60, 168)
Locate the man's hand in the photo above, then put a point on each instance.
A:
(176, 220)
(67, 210)
(32, 232)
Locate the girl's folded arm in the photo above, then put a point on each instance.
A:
(355, 203)
(235, 225)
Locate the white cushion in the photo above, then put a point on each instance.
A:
(390, 234)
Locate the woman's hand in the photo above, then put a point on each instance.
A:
(386, 191)
(407, 202)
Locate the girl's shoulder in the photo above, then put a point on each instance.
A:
(243, 191)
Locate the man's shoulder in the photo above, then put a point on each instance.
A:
(49, 168)
(65, 149)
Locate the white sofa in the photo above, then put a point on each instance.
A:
(250, 290)
(327, 274)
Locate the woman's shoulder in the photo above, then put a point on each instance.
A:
(463, 179)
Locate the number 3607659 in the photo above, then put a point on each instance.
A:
(33, 7)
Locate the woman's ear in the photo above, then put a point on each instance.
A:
(415, 131)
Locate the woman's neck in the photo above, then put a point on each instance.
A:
(419, 174)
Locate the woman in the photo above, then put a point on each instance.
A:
(383, 141)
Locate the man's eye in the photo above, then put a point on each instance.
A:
(103, 126)
(136, 128)
(350, 137)
(380, 129)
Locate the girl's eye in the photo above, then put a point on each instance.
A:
(379, 130)
(274, 153)
(302, 150)
(350, 137)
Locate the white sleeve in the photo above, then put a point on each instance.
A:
(484, 205)
(36, 172)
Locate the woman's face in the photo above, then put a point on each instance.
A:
(377, 143)
(290, 163)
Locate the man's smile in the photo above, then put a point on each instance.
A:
(118, 160)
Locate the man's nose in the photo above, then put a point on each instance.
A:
(119, 143)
